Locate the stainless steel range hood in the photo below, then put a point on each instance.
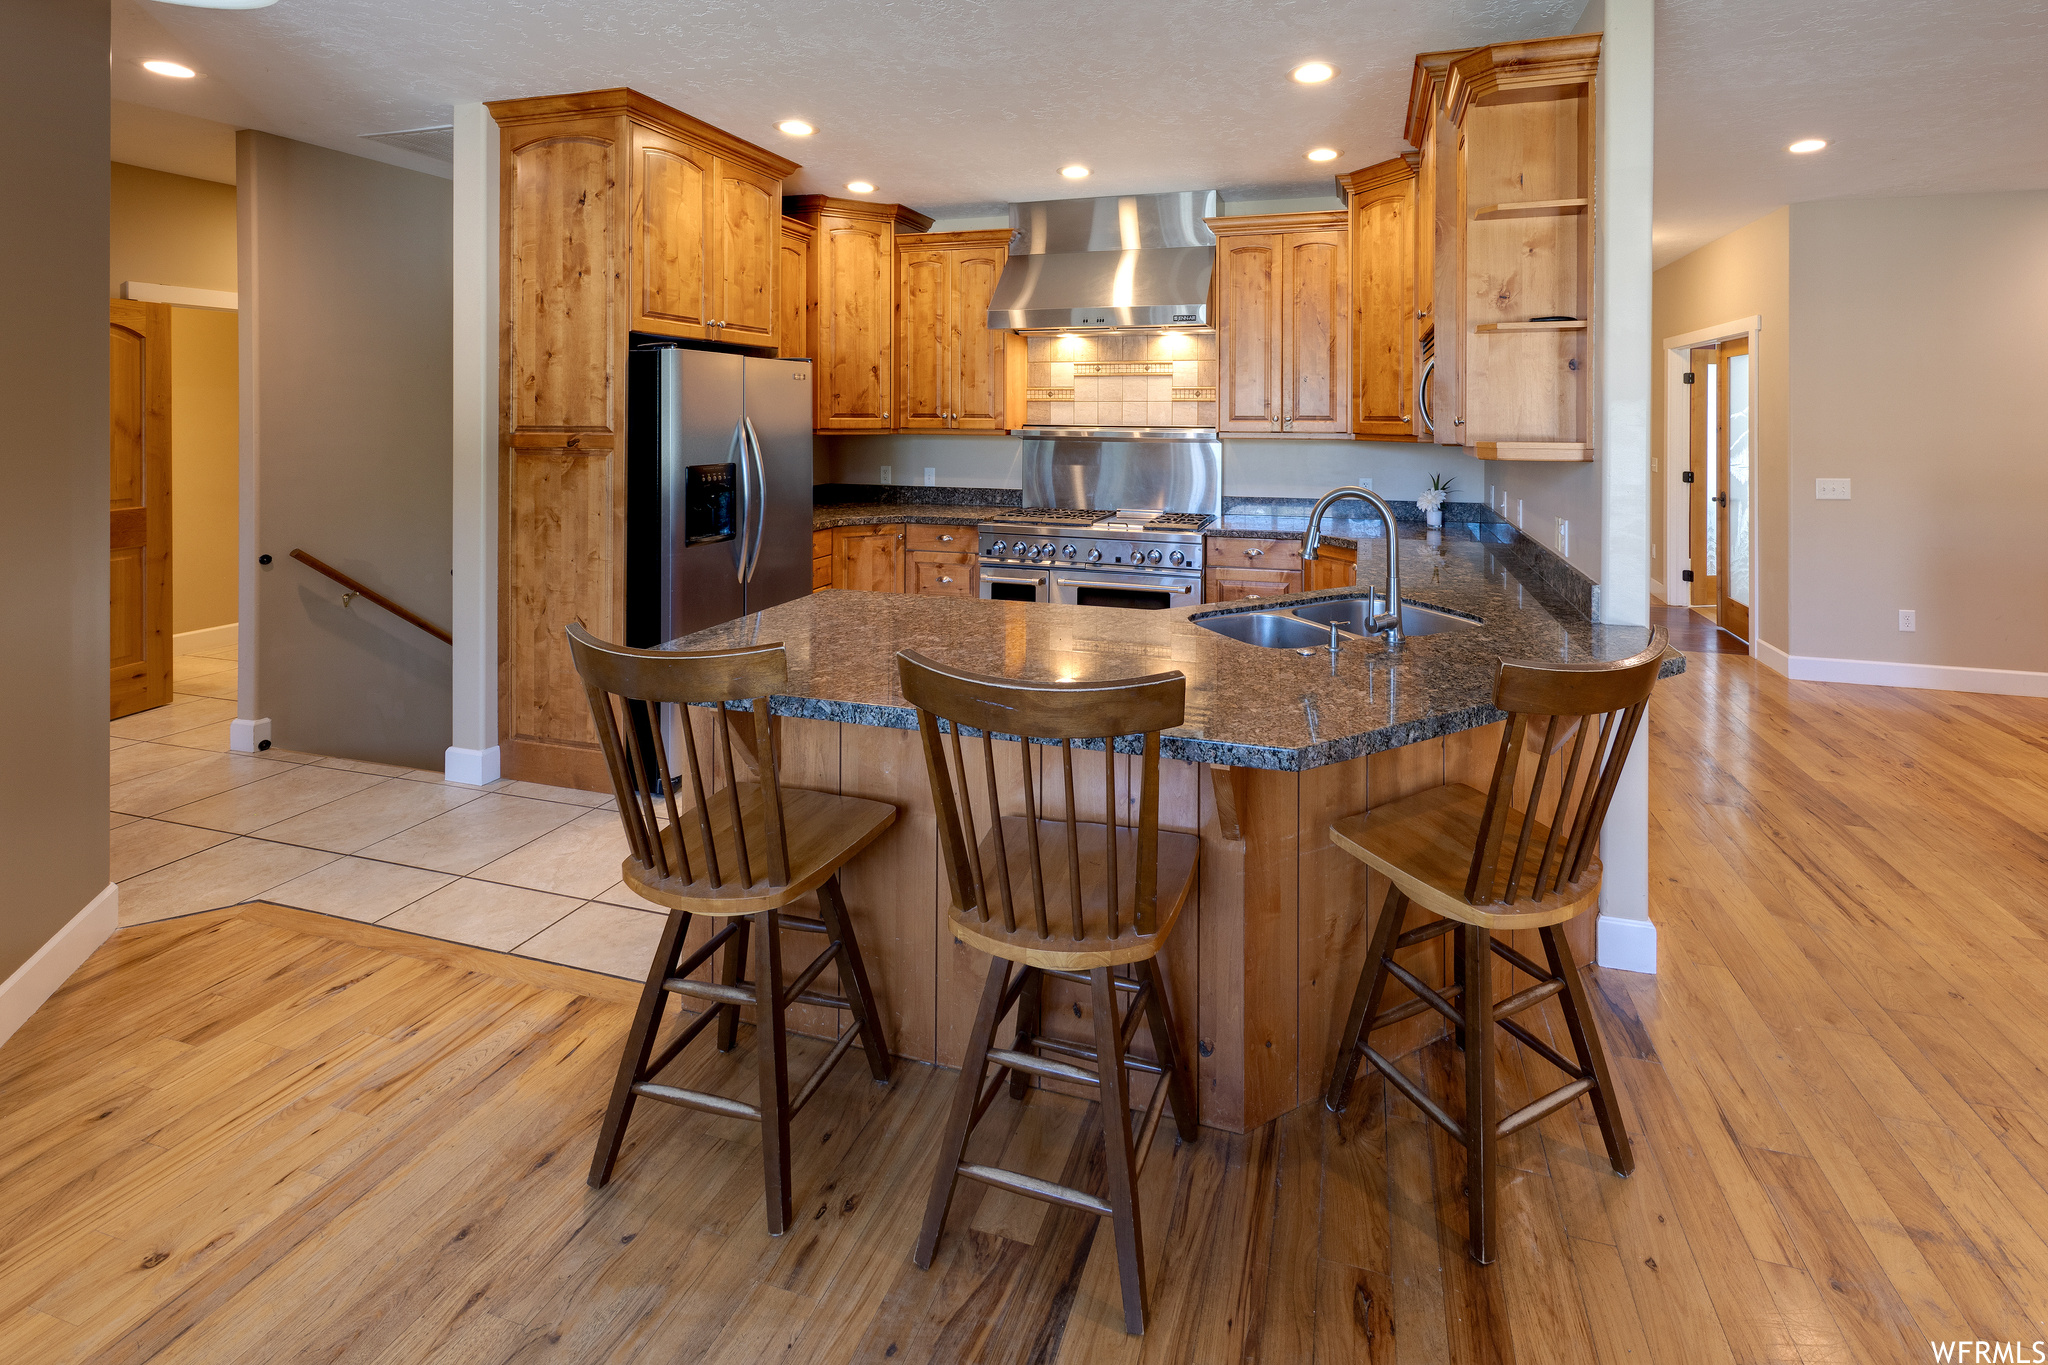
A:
(1136, 260)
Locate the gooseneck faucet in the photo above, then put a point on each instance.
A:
(1388, 621)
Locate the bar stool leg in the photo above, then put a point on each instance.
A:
(1578, 1017)
(1458, 976)
(639, 1046)
(771, 1046)
(965, 1095)
(1159, 1018)
(731, 973)
(1030, 1015)
(1365, 1001)
(859, 996)
(1113, 1086)
(1481, 1107)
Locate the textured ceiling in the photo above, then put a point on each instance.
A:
(960, 106)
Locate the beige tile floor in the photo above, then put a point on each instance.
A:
(514, 866)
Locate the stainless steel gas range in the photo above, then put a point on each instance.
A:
(1112, 519)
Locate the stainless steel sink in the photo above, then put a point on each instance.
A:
(1271, 629)
(1350, 616)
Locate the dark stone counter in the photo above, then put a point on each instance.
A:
(1247, 706)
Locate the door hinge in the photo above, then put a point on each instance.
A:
(1686, 477)
(1685, 575)
(1688, 376)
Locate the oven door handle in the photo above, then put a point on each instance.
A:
(1134, 587)
(1027, 582)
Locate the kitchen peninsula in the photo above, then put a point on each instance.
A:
(1277, 743)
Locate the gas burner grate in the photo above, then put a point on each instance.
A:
(1181, 521)
(1077, 515)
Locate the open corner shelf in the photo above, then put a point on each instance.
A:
(1578, 325)
(1569, 451)
(1534, 208)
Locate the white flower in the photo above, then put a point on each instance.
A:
(1430, 501)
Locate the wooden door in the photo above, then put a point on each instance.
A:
(138, 505)
(1733, 487)
(924, 340)
(852, 276)
(793, 290)
(746, 233)
(868, 558)
(1315, 332)
(978, 350)
(1383, 241)
(1703, 536)
(1250, 299)
(673, 255)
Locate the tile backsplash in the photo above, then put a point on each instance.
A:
(1122, 379)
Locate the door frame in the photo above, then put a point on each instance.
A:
(1677, 443)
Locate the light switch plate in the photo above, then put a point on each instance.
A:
(1564, 536)
(1833, 489)
(931, 477)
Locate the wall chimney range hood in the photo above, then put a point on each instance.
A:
(1133, 260)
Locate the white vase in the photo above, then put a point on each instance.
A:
(1434, 517)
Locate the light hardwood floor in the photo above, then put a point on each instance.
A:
(259, 1135)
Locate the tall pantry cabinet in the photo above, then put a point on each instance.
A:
(617, 213)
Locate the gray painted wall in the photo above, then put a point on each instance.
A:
(53, 521)
(346, 281)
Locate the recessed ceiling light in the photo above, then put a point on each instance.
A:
(1324, 154)
(1314, 73)
(1808, 144)
(860, 187)
(796, 127)
(1074, 172)
(170, 69)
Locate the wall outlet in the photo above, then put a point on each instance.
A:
(1833, 489)
(888, 473)
(1564, 536)
(1520, 524)
(1365, 481)
(1908, 619)
(931, 477)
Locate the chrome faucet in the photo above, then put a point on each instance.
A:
(1389, 621)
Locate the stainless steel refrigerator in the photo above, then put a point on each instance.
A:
(718, 502)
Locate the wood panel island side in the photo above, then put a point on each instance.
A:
(1277, 745)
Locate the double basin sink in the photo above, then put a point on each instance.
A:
(1308, 625)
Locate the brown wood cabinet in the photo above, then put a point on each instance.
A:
(793, 290)
(852, 308)
(1525, 140)
(868, 558)
(940, 575)
(1235, 585)
(950, 365)
(1381, 203)
(1331, 568)
(617, 213)
(821, 560)
(1284, 325)
(895, 557)
(1439, 413)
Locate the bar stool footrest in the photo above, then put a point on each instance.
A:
(698, 1099)
(1537, 1109)
(1034, 1187)
(1399, 1080)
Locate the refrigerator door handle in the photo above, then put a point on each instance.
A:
(736, 454)
(757, 499)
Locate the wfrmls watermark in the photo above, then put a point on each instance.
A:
(1990, 1352)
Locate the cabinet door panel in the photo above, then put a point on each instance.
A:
(978, 391)
(562, 264)
(851, 266)
(923, 319)
(747, 224)
(1238, 585)
(793, 291)
(1383, 236)
(560, 554)
(1251, 333)
(671, 263)
(868, 558)
(1316, 332)
(938, 575)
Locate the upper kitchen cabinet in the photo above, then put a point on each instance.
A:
(1284, 324)
(1381, 204)
(616, 213)
(1439, 417)
(793, 290)
(1525, 125)
(951, 367)
(852, 307)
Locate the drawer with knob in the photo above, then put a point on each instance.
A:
(942, 539)
(932, 574)
(1238, 552)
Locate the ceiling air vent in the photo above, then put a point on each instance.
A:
(438, 143)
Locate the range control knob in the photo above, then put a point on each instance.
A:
(1031, 552)
(1067, 550)
(1153, 556)
(1000, 547)
(1095, 556)
(1048, 549)
(1176, 558)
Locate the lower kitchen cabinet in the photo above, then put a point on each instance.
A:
(1331, 568)
(939, 575)
(1235, 585)
(821, 560)
(868, 558)
(916, 558)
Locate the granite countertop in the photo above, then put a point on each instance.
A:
(1246, 705)
(884, 513)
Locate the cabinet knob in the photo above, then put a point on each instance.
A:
(1253, 553)
(945, 580)
(945, 540)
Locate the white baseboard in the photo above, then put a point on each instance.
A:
(471, 767)
(37, 979)
(203, 641)
(2004, 682)
(248, 736)
(1628, 945)
(1771, 657)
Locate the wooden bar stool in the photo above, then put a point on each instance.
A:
(1448, 851)
(1061, 897)
(740, 853)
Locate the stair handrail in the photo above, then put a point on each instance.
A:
(410, 618)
